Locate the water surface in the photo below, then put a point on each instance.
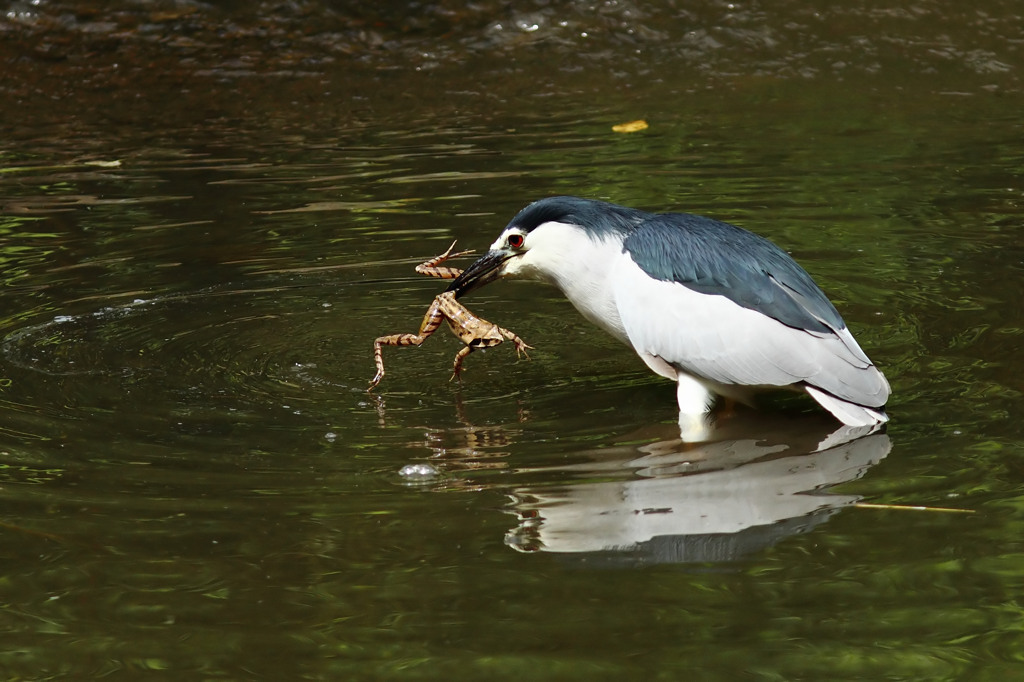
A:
(209, 213)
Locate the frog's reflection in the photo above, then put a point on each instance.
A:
(756, 481)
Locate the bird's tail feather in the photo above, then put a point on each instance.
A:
(848, 413)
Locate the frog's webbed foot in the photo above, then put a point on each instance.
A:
(375, 380)
(433, 268)
(448, 254)
(378, 357)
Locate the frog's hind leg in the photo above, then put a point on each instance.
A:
(430, 268)
(393, 340)
(431, 321)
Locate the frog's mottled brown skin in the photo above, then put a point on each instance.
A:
(473, 331)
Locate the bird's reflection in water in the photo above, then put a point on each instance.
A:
(757, 480)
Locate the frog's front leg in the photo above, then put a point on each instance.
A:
(431, 269)
(521, 345)
(459, 357)
(431, 321)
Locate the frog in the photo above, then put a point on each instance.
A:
(473, 331)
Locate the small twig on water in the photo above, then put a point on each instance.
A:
(907, 507)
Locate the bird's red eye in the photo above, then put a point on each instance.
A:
(515, 240)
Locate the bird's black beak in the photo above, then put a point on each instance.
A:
(484, 269)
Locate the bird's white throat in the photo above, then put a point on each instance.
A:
(578, 264)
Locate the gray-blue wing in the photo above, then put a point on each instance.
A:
(729, 307)
(712, 257)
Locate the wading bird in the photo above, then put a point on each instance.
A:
(711, 306)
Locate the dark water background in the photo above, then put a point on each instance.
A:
(208, 212)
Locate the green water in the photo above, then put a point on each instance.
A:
(197, 256)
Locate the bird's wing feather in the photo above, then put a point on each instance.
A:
(712, 337)
(712, 257)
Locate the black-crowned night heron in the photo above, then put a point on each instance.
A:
(717, 309)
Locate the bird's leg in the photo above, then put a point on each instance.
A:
(521, 345)
(459, 357)
(695, 424)
(431, 321)
(431, 269)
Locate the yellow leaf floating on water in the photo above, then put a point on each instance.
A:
(631, 127)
